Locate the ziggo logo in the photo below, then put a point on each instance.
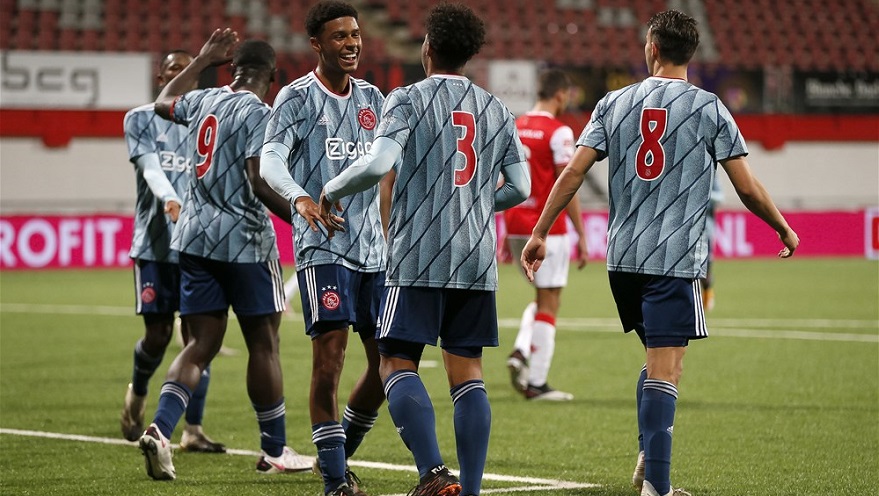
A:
(339, 149)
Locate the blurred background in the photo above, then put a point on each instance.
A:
(800, 76)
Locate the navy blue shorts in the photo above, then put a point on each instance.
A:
(334, 297)
(462, 318)
(156, 287)
(211, 285)
(664, 311)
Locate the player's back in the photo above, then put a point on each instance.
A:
(663, 138)
(326, 132)
(146, 132)
(223, 219)
(547, 142)
(456, 138)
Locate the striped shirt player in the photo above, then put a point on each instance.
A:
(148, 134)
(680, 132)
(224, 220)
(442, 232)
(321, 133)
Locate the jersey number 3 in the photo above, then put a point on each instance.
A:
(650, 159)
(467, 122)
(207, 142)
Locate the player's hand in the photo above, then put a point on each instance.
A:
(331, 220)
(172, 208)
(582, 253)
(532, 256)
(218, 49)
(791, 242)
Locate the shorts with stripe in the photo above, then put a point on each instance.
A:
(334, 297)
(553, 271)
(156, 287)
(212, 285)
(664, 311)
(461, 318)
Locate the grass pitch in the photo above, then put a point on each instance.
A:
(783, 399)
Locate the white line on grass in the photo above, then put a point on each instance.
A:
(738, 328)
(535, 484)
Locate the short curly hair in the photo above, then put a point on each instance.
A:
(455, 33)
(323, 12)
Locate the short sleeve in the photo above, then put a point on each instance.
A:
(562, 145)
(185, 105)
(283, 122)
(594, 134)
(139, 136)
(396, 113)
(257, 119)
(729, 141)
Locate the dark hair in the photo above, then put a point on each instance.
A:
(551, 81)
(323, 12)
(676, 35)
(254, 54)
(455, 34)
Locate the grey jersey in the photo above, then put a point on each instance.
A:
(146, 132)
(325, 132)
(456, 138)
(663, 138)
(223, 219)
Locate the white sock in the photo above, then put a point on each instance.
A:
(543, 343)
(526, 328)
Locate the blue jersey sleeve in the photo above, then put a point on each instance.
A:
(139, 134)
(256, 130)
(594, 134)
(728, 142)
(396, 112)
(185, 106)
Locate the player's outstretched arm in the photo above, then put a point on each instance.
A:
(217, 51)
(756, 199)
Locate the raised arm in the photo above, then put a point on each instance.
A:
(756, 199)
(217, 50)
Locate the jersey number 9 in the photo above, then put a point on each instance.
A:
(207, 142)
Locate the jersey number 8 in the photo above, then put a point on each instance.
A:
(650, 159)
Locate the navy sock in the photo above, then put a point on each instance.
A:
(195, 410)
(145, 366)
(172, 402)
(472, 428)
(356, 424)
(657, 416)
(272, 430)
(413, 415)
(638, 393)
(329, 437)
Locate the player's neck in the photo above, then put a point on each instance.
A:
(670, 71)
(546, 106)
(338, 83)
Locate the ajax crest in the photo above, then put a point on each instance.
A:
(330, 300)
(367, 118)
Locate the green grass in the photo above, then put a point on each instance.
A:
(782, 400)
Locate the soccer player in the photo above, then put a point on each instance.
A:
(449, 142)
(663, 138)
(549, 144)
(228, 253)
(321, 123)
(160, 153)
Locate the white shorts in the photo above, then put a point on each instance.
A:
(553, 271)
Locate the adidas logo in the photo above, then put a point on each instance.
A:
(323, 121)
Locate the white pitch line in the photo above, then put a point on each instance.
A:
(738, 328)
(536, 483)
